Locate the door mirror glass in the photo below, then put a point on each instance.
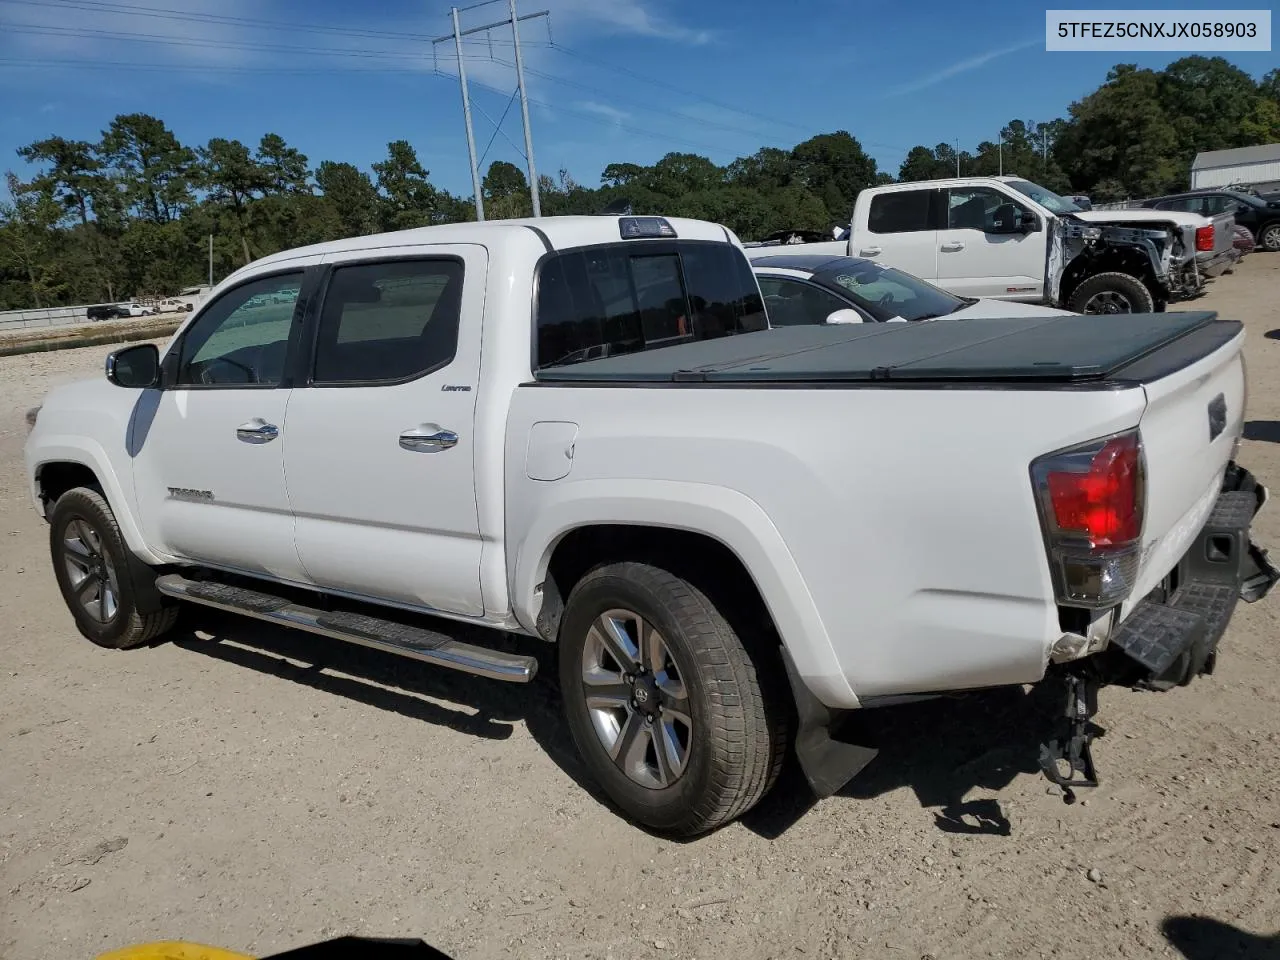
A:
(846, 315)
(135, 367)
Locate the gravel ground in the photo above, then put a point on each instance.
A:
(259, 790)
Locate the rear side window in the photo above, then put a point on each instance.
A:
(388, 322)
(900, 211)
(623, 298)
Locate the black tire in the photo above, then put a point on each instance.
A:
(1269, 237)
(82, 516)
(1124, 293)
(736, 742)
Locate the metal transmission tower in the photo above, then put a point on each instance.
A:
(456, 37)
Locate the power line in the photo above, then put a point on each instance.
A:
(130, 9)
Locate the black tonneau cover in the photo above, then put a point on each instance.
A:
(1037, 349)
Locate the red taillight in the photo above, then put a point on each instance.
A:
(1204, 239)
(1103, 504)
(1091, 499)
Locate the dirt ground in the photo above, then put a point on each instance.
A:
(259, 790)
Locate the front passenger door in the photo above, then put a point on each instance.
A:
(974, 260)
(208, 447)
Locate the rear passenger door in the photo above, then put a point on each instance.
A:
(901, 231)
(379, 444)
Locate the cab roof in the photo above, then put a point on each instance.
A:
(555, 233)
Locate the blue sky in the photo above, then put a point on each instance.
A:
(622, 80)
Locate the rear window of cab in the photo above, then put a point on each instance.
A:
(617, 298)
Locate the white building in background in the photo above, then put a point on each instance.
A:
(1243, 165)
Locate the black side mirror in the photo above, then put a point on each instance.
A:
(1030, 223)
(135, 368)
(1006, 219)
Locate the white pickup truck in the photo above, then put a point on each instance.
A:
(1006, 238)
(584, 430)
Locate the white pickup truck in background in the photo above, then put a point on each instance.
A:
(584, 430)
(1006, 238)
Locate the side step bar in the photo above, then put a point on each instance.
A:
(416, 643)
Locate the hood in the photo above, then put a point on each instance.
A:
(1180, 217)
(1003, 308)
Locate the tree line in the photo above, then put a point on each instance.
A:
(130, 214)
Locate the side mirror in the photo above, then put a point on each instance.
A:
(1006, 219)
(135, 368)
(845, 315)
(1030, 223)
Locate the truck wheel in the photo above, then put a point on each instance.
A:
(1111, 293)
(664, 702)
(1269, 239)
(90, 561)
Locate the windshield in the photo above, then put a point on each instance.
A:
(886, 293)
(1045, 197)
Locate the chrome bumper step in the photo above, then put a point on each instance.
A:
(429, 646)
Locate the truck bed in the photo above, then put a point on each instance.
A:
(1098, 350)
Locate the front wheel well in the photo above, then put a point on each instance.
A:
(1109, 259)
(55, 479)
(698, 558)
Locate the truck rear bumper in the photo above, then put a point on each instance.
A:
(1172, 636)
(1218, 264)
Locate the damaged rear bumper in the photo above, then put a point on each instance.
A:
(1172, 635)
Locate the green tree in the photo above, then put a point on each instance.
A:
(71, 175)
(1120, 142)
(151, 166)
(284, 166)
(506, 192)
(409, 199)
(233, 178)
(352, 195)
(27, 237)
(835, 168)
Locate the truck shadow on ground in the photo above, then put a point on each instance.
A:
(1202, 938)
(941, 749)
(1268, 431)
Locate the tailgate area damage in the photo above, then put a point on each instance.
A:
(1171, 637)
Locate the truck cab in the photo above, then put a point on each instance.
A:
(1007, 238)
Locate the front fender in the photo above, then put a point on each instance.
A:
(86, 451)
(726, 515)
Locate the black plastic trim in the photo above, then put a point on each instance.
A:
(546, 241)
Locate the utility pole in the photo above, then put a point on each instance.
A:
(524, 112)
(1044, 158)
(466, 116)
(956, 144)
(211, 260)
(457, 36)
(1001, 148)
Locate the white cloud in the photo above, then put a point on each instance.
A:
(629, 16)
(603, 109)
(964, 66)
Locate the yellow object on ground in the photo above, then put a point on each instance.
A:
(172, 950)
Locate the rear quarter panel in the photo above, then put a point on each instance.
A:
(892, 532)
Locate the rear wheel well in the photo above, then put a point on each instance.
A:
(55, 479)
(700, 559)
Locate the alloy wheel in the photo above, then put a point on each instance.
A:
(94, 583)
(1108, 301)
(636, 698)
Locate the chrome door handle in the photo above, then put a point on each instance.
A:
(428, 437)
(953, 246)
(869, 251)
(257, 430)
